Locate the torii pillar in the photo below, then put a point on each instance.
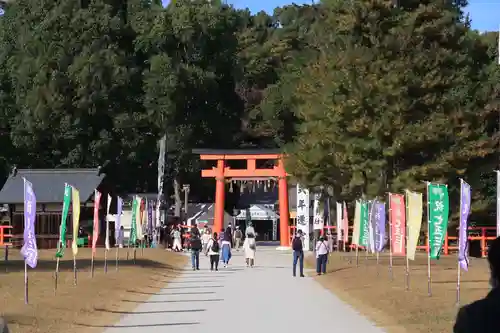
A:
(221, 173)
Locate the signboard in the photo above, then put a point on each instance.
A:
(257, 212)
(303, 214)
(319, 221)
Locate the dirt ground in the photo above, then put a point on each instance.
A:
(369, 289)
(94, 303)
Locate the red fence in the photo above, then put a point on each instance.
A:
(481, 234)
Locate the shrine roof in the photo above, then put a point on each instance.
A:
(250, 151)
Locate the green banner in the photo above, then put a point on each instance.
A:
(438, 209)
(364, 231)
(133, 228)
(61, 245)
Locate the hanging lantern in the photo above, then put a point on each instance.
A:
(253, 186)
(231, 186)
(265, 186)
(241, 187)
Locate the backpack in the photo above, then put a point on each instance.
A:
(297, 244)
(195, 243)
(238, 234)
(215, 246)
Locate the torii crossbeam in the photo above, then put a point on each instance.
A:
(221, 172)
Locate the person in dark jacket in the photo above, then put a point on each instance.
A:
(298, 253)
(195, 247)
(483, 316)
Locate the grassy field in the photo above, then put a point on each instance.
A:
(94, 303)
(370, 290)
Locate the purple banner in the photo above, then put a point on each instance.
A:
(380, 226)
(29, 249)
(465, 194)
(150, 219)
(118, 222)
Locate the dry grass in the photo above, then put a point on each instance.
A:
(92, 305)
(370, 290)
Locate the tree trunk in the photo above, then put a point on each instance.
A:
(177, 197)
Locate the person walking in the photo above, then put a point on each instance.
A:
(298, 253)
(238, 235)
(213, 252)
(205, 238)
(250, 246)
(321, 255)
(176, 235)
(195, 246)
(250, 230)
(483, 315)
(226, 248)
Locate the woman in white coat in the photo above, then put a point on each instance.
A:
(250, 246)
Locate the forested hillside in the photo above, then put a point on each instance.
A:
(364, 96)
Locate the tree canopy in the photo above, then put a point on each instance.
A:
(365, 97)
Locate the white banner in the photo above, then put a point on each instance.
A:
(319, 220)
(498, 200)
(303, 214)
(339, 225)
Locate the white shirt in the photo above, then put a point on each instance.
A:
(205, 238)
(321, 248)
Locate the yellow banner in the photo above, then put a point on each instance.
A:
(414, 211)
(76, 219)
(357, 222)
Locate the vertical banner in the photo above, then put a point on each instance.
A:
(133, 226)
(465, 194)
(118, 223)
(414, 214)
(345, 224)
(303, 213)
(372, 225)
(106, 241)
(150, 220)
(76, 219)
(498, 182)
(161, 174)
(95, 232)
(339, 224)
(398, 224)
(379, 218)
(29, 249)
(61, 245)
(364, 231)
(356, 228)
(138, 219)
(319, 221)
(438, 217)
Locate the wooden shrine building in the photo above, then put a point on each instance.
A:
(48, 185)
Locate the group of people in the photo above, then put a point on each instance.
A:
(217, 246)
(322, 250)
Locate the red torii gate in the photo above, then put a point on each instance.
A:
(222, 172)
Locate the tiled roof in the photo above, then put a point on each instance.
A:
(48, 184)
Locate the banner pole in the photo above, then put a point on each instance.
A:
(92, 265)
(391, 275)
(357, 255)
(407, 231)
(378, 263)
(429, 287)
(75, 281)
(105, 261)
(116, 258)
(56, 275)
(25, 282)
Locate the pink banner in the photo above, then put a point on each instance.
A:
(95, 235)
(398, 224)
